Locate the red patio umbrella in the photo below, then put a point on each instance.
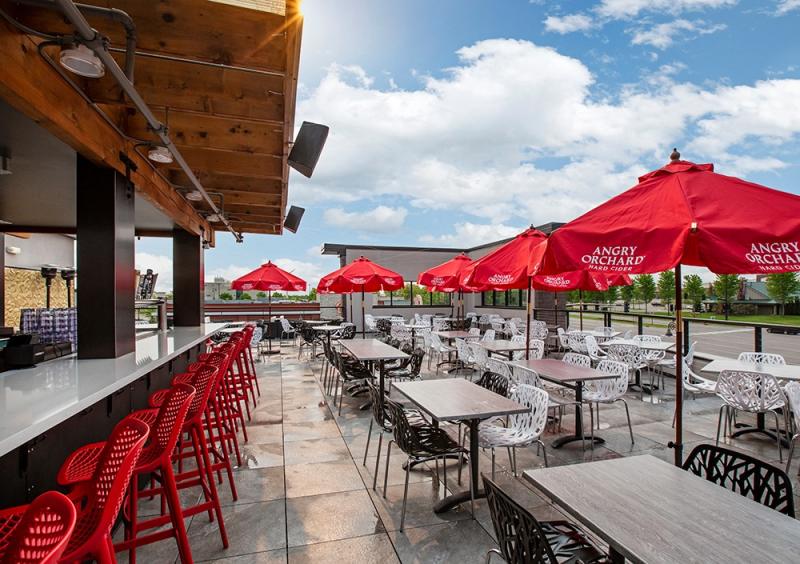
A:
(683, 213)
(322, 288)
(361, 275)
(269, 277)
(510, 267)
(446, 277)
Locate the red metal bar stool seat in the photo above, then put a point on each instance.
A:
(37, 533)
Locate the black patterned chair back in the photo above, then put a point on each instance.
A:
(384, 326)
(494, 382)
(743, 474)
(375, 405)
(518, 533)
(415, 366)
(348, 332)
(404, 434)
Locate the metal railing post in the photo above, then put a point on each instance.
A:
(640, 324)
(758, 341)
(685, 335)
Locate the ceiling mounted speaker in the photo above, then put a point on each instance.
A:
(308, 147)
(292, 221)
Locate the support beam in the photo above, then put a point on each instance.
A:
(187, 279)
(105, 206)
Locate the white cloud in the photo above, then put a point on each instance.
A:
(309, 271)
(378, 220)
(515, 135)
(624, 9)
(472, 234)
(160, 264)
(568, 23)
(786, 6)
(663, 35)
(229, 273)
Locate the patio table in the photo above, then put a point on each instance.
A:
(785, 372)
(598, 334)
(370, 351)
(646, 345)
(650, 511)
(569, 376)
(451, 336)
(502, 347)
(327, 329)
(454, 399)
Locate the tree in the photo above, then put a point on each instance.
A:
(261, 295)
(627, 293)
(780, 287)
(726, 287)
(666, 287)
(693, 288)
(612, 294)
(245, 296)
(226, 296)
(277, 295)
(645, 288)
(312, 295)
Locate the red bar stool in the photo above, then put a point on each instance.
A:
(233, 393)
(99, 498)
(37, 533)
(242, 370)
(204, 381)
(248, 338)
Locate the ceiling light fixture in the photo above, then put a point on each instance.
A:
(82, 61)
(161, 155)
(194, 196)
(214, 218)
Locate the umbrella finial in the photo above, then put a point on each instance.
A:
(675, 156)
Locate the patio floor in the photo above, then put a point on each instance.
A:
(304, 495)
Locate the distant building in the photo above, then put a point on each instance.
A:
(215, 288)
(753, 298)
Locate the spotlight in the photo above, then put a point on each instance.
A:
(214, 218)
(82, 61)
(160, 155)
(194, 196)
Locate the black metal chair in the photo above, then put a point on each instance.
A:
(494, 382)
(410, 369)
(310, 341)
(420, 443)
(524, 540)
(349, 372)
(743, 474)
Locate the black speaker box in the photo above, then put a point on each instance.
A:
(307, 147)
(292, 221)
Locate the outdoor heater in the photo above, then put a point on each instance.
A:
(49, 274)
(68, 276)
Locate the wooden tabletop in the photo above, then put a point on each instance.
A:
(315, 322)
(502, 345)
(456, 335)
(780, 371)
(646, 345)
(455, 399)
(372, 349)
(561, 372)
(651, 511)
(328, 328)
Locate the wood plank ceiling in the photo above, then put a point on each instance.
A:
(223, 75)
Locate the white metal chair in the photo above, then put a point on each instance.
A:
(563, 340)
(577, 359)
(522, 429)
(536, 348)
(593, 349)
(630, 355)
(769, 359)
(607, 391)
(401, 333)
(694, 384)
(653, 358)
(370, 323)
(488, 336)
(439, 349)
(480, 356)
(753, 392)
(499, 367)
(577, 342)
(475, 332)
(287, 330)
(440, 324)
(792, 391)
(538, 330)
(465, 358)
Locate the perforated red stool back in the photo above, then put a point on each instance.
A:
(37, 533)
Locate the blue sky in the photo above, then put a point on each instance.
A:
(458, 122)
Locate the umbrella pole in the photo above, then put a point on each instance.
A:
(363, 316)
(678, 444)
(580, 293)
(528, 322)
(350, 299)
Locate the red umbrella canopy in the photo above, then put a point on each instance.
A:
(447, 276)
(508, 267)
(683, 213)
(589, 280)
(361, 275)
(323, 287)
(269, 277)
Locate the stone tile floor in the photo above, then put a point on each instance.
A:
(306, 496)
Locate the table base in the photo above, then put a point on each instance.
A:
(451, 501)
(747, 430)
(558, 443)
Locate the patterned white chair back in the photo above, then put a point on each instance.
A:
(769, 359)
(536, 348)
(498, 367)
(792, 391)
(647, 338)
(512, 329)
(370, 322)
(592, 348)
(483, 319)
(475, 332)
(463, 352)
(531, 423)
(497, 325)
(427, 337)
(426, 318)
(471, 315)
(396, 319)
(610, 389)
(539, 330)
(577, 359)
(577, 342)
(563, 340)
(522, 375)
(627, 335)
(632, 355)
(650, 355)
(690, 353)
(401, 333)
(436, 342)
(258, 334)
(518, 321)
(488, 336)
(480, 354)
(439, 324)
(285, 326)
(755, 392)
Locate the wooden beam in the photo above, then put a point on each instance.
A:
(232, 199)
(210, 132)
(32, 87)
(205, 31)
(229, 182)
(200, 88)
(229, 162)
(294, 36)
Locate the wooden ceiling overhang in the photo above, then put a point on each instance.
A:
(222, 74)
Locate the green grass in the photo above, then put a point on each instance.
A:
(793, 320)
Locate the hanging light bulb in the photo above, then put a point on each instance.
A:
(82, 61)
(194, 196)
(160, 155)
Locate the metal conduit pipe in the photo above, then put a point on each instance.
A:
(112, 14)
(92, 39)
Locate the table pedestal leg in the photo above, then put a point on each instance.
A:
(451, 501)
(558, 443)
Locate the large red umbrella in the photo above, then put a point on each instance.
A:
(361, 275)
(446, 277)
(683, 213)
(269, 277)
(509, 267)
(322, 288)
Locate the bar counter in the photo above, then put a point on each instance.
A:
(48, 410)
